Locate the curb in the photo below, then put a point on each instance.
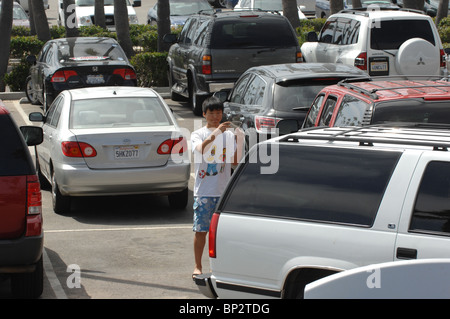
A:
(163, 91)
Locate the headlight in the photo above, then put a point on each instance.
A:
(86, 20)
(132, 19)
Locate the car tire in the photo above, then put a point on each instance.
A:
(417, 56)
(178, 200)
(29, 285)
(61, 203)
(29, 91)
(195, 100)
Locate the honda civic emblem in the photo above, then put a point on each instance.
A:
(95, 68)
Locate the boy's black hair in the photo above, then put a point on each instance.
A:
(212, 103)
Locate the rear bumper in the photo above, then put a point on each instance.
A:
(79, 180)
(20, 255)
(205, 285)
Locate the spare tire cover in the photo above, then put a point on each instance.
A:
(417, 56)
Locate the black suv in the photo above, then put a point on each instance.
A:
(21, 235)
(213, 50)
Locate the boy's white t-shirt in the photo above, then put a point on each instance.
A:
(212, 169)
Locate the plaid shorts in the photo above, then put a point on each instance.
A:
(204, 208)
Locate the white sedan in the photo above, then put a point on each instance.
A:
(112, 141)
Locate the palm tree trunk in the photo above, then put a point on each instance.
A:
(442, 11)
(290, 11)
(336, 6)
(70, 19)
(123, 26)
(6, 19)
(40, 20)
(163, 24)
(100, 13)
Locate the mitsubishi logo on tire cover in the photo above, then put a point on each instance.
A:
(420, 62)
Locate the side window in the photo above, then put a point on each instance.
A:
(58, 107)
(310, 120)
(327, 112)
(351, 112)
(200, 35)
(255, 91)
(352, 32)
(432, 207)
(190, 33)
(49, 118)
(238, 91)
(43, 53)
(326, 35)
(339, 32)
(185, 30)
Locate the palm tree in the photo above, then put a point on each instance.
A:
(6, 19)
(336, 6)
(99, 15)
(40, 20)
(442, 11)
(290, 11)
(163, 24)
(123, 26)
(70, 19)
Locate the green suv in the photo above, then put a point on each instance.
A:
(214, 49)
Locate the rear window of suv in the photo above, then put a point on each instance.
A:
(315, 183)
(391, 34)
(14, 160)
(252, 32)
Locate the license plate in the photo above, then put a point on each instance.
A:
(126, 152)
(379, 66)
(95, 79)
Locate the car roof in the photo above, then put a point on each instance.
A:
(84, 40)
(424, 136)
(395, 89)
(110, 91)
(241, 13)
(382, 14)
(290, 71)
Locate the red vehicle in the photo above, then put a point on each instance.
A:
(21, 235)
(381, 101)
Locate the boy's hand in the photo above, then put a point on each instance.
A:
(224, 126)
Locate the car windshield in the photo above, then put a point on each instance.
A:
(412, 111)
(393, 33)
(187, 7)
(299, 93)
(18, 13)
(235, 34)
(88, 3)
(118, 112)
(73, 51)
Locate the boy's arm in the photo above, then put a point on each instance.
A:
(205, 145)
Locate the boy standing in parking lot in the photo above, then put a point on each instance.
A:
(215, 149)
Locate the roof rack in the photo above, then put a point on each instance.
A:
(372, 92)
(364, 10)
(411, 134)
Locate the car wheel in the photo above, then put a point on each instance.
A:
(30, 93)
(29, 285)
(61, 203)
(417, 56)
(178, 200)
(195, 100)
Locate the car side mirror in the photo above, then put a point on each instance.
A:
(170, 38)
(222, 95)
(312, 37)
(136, 3)
(287, 126)
(31, 59)
(33, 135)
(36, 117)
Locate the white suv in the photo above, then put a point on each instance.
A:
(380, 42)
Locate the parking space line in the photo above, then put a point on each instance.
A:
(52, 278)
(115, 229)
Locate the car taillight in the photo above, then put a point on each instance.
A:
(443, 58)
(299, 57)
(212, 236)
(173, 146)
(263, 124)
(63, 76)
(34, 206)
(206, 64)
(361, 61)
(126, 74)
(78, 149)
